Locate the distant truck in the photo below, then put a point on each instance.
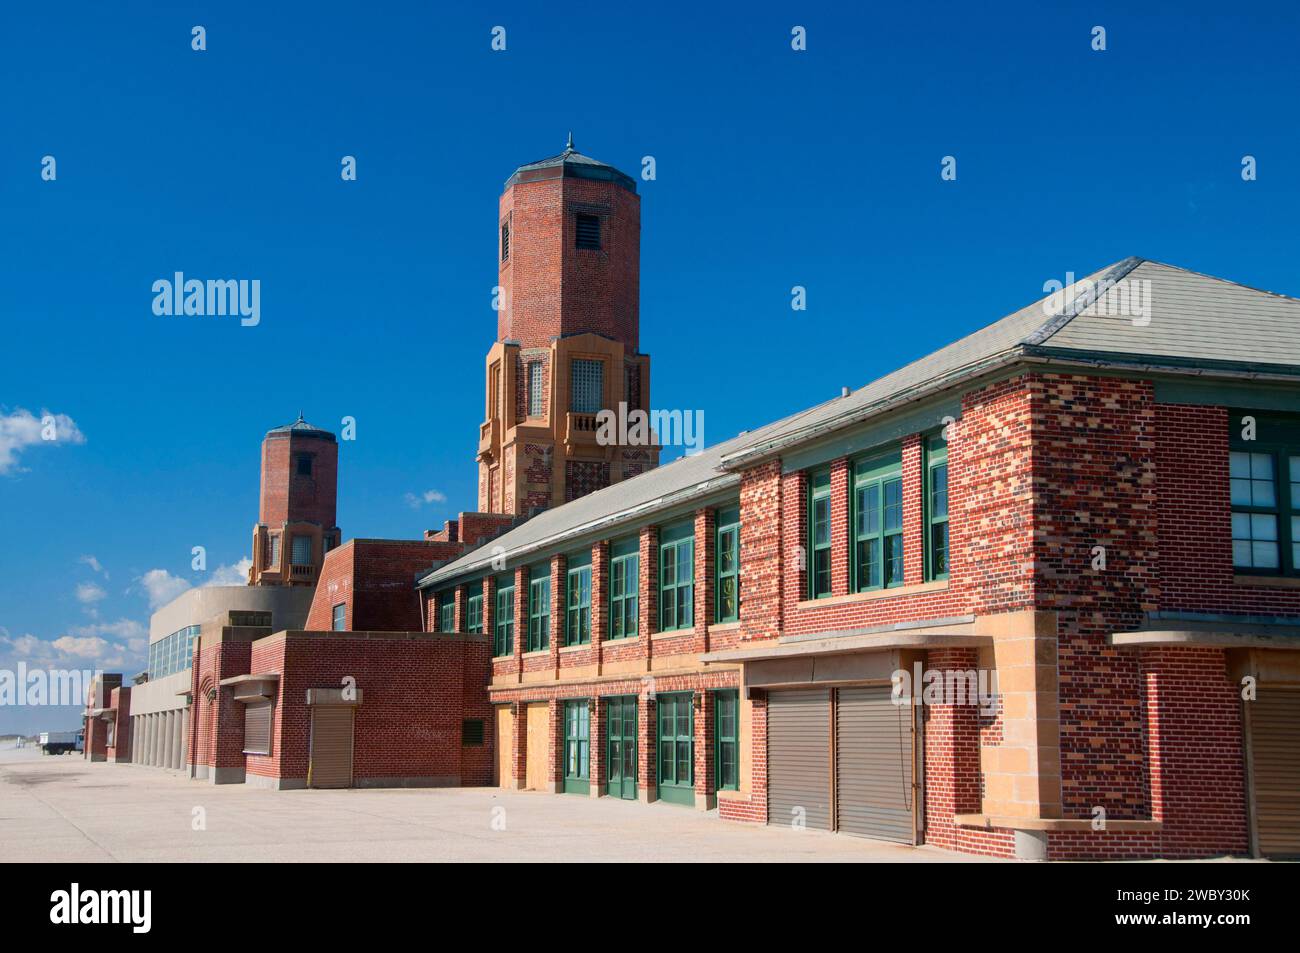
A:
(60, 742)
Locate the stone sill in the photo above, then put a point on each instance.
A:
(675, 633)
(855, 597)
(570, 649)
(724, 627)
(540, 653)
(989, 821)
(1276, 582)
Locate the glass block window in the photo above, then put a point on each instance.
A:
(535, 389)
(586, 386)
(301, 553)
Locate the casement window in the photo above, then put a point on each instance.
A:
(586, 386)
(588, 232)
(474, 611)
(471, 732)
(577, 746)
(677, 577)
(726, 562)
(339, 617)
(624, 580)
(503, 624)
(936, 508)
(257, 728)
(676, 766)
(447, 612)
(726, 739)
(819, 535)
(505, 241)
(300, 552)
(1264, 482)
(534, 388)
(577, 614)
(539, 610)
(878, 523)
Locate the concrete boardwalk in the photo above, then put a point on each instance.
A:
(65, 809)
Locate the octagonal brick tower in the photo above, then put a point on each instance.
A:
(568, 335)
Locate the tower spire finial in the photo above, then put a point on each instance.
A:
(569, 145)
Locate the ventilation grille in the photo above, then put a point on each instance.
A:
(588, 231)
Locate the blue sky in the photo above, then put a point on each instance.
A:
(775, 168)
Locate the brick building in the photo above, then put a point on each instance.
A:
(1101, 510)
(568, 336)
(1068, 544)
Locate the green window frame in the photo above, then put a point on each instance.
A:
(726, 564)
(726, 739)
(474, 611)
(624, 587)
(577, 615)
(877, 505)
(1264, 488)
(676, 736)
(819, 535)
(577, 747)
(503, 622)
(539, 611)
(677, 577)
(937, 542)
(447, 612)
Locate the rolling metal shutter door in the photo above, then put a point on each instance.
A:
(799, 757)
(1275, 754)
(331, 746)
(257, 727)
(873, 765)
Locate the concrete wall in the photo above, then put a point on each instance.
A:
(288, 606)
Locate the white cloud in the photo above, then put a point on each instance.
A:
(89, 647)
(94, 564)
(22, 429)
(233, 575)
(415, 501)
(88, 592)
(162, 587)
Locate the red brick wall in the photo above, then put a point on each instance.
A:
(287, 497)
(415, 693)
(375, 579)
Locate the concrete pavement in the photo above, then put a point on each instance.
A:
(66, 809)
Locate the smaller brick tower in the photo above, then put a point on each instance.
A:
(296, 512)
(568, 336)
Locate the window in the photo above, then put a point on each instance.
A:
(677, 748)
(257, 728)
(676, 577)
(577, 616)
(539, 610)
(1265, 490)
(726, 734)
(505, 241)
(577, 746)
(447, 612)
(535, 389)
(474, 611)
(878, 523)
(936, 508)
(726, 560)
(339, 621)
(273, 550)
(503, 624)
(588, 231)
(304, 464)
(300, 552)
(471, 732)
(624, 580)
(587, 386)
(819, 535)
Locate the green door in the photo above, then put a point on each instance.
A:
(577, 747)
(677, 748)
(620, 721)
